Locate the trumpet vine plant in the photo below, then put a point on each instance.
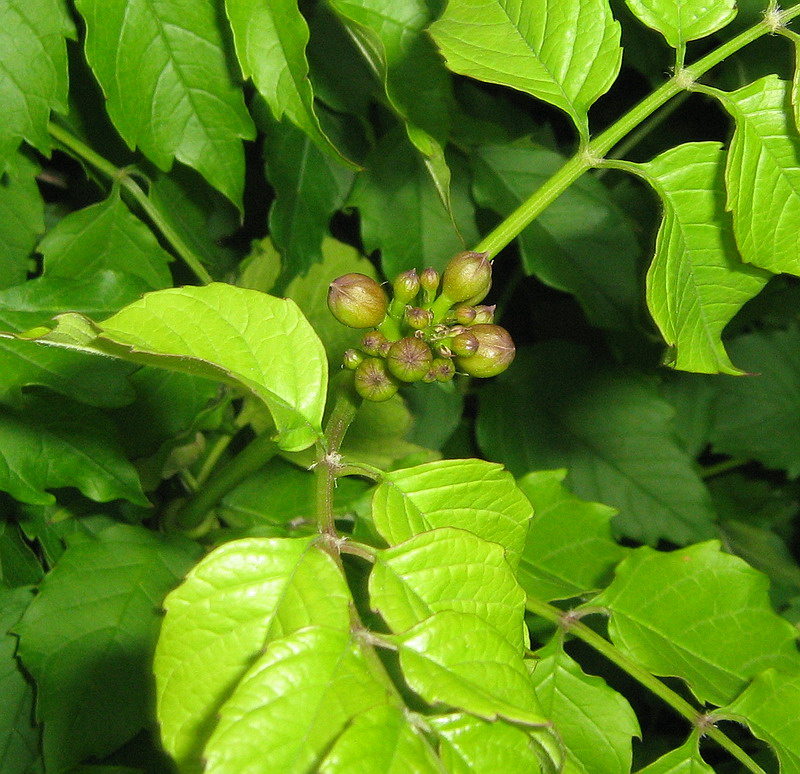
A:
(398, 386)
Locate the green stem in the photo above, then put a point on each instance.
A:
(648, 680)
(132, 187)
(590, 156)
(252, 458)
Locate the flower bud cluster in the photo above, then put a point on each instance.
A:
(431, 328)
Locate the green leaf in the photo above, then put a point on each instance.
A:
(570, 549)
(218, 331)
(459, 660)
(270, 43)
(310, 293)
(683, 760)
(698, 614)
(565, 52)
(105, 236)
(594, 722)
(381, 741)
(89, 635)
(448, 569)
(402, 214)
(696, 282)
(581, 244)
(771, 708)
(19, 736)
(756, 417)
(33, 63)
(21, 216)
(241, 596)
(292, 704)
(79, 446)
(559, 406)
(309, 187)
(762, 169)
(684, 21)
(473, 495)
(470, 745)
(168, 87)
(18, 564)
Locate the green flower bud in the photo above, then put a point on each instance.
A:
(409, 359)
(484, 314)
(417, 318)
(495, 352)
(443, 370)
(352, 358)
(372, 343)
(429, 280)
(464, 314)
(406, 286)
(467, 275)
(373, 381)
(464, 344)
(357, 301)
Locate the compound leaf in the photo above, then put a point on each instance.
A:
(696, 282)
(763, 175)
(447, 569)
(565, 52)
(88, 638)
(168, 89)
(684, 21)
(241, 596)
(594, 722)
(470, 494)
(570, 549)
(558, 406)
(292, 704)
(698, 614)
(33, 64)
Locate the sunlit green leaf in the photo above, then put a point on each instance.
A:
(472, 495)
(168, 86)
(88, 639)
(381, 741)
(292, 703)
(560, 406)
(771, 708)
(33, 71)
(699, 614)
(684, 21)
(594, 722)
(218, 621)
(565, 52)
(683, 760)
(21, 217)
(696, 282)
(459, 660)
(581, 244)
(19, 736)
(447, 569)
(105, 236)
(763, 175)
(570, 549)
(756, 416)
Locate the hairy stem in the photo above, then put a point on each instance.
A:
(697, 718)
(590, 156)
(121, 176)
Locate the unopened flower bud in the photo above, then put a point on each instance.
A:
(466, 276)
(406, 286)
(429, 280)
(357, 301)
(352, 358)
(484, 314)
(464, 314)
(372, 343)
(495, 352)
(443, 369)
(465, 344)
(409, 359)
(373, 381)
(417, 318)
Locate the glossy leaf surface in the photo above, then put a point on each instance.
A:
(681, 22)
